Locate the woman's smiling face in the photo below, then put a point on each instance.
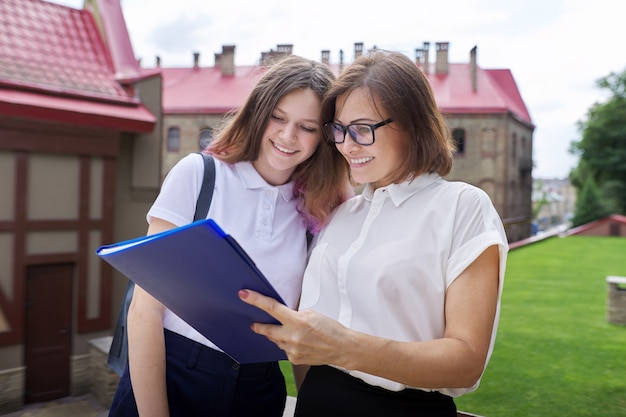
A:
(377, 163)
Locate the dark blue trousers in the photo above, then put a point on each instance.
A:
(204, 382)
(329, 392)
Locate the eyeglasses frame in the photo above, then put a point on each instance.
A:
(346, 129)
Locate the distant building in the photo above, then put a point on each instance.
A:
(554, 201)
(483, 107)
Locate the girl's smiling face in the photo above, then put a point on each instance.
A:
(292, 135)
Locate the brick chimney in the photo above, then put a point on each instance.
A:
(226, 60)
(358, 49)
(281, 50)
(284, 49)
(426, 48)
(441, 65)
(326, 56)
(196, 60)
(340, 60)
(419, 56)
(474, 69)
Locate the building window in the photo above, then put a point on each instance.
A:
(459, 140)
(205, 137)
(173, 139)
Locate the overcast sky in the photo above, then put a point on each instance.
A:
(556, 49)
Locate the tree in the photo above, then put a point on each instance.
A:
(602, 148)
(589, 205)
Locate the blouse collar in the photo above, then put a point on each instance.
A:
(253, 180)
(398, 193)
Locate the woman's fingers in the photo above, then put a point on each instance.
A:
(272, 307)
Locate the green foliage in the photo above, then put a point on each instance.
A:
(602, 148)
(589, 205)
(556, 354)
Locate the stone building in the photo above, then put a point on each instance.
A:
(483, 107)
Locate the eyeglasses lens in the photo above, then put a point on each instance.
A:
(360, 133)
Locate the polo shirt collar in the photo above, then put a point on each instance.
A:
(398, 193)
(251, 179)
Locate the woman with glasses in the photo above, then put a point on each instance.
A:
(401, 296)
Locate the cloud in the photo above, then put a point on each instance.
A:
(556, 49)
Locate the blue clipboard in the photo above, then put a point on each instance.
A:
(196, 271)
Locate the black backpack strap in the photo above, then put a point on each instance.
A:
(206, 192)
(118, 352)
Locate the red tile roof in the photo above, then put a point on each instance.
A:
(57, 51)
(589, 228)
(205, 90)
(496, 92)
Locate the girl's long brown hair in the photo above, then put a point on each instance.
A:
(321, 182)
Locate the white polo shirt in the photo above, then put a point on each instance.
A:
(262, 218)
(384, 262)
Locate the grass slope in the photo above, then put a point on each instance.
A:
(556, 354)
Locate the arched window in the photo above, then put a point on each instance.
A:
(173, 139)
(459, 139)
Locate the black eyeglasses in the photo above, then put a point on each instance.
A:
(361, 133)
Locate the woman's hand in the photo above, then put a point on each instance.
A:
(306, 336)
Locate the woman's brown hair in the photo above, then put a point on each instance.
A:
(400, 91)
(322, 180)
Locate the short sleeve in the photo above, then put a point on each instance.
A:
(176, 202)
(477, 227)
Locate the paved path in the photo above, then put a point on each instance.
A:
(87, 406)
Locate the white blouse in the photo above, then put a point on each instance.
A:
(383, 264)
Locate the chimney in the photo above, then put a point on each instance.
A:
(281, 50)
(158, 61)
(326, 56)
(474, 69)
(441, 65)
(340, 60)
(227, 60)
(285, 49)
(426, 48)
(358, 49)
(419, 56)
(196, 59)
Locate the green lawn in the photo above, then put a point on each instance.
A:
(555, 354)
